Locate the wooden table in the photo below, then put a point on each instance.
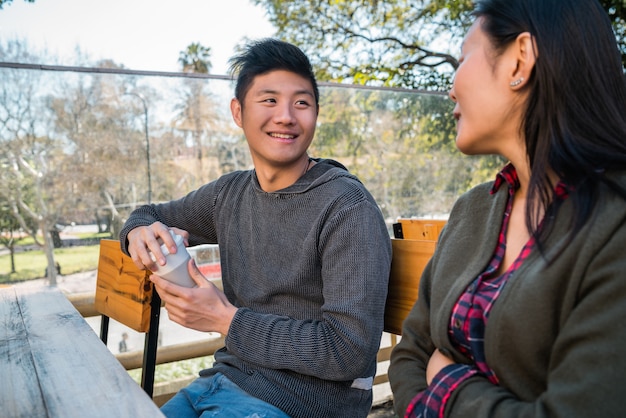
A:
(52, 364)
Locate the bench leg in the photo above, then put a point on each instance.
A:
(150, 347)
(104, 329)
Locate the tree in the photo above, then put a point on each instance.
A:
(103, 125)
(195, 110)
(8, 226)
(195, 59)
(407, 43)
(396, 43)
(31, 160)
(401, 145)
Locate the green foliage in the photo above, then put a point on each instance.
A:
(394, 43)
(390, 43)
(195, 59)
(8, 222)
(401, 145)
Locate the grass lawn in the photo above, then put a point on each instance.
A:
(32, 264)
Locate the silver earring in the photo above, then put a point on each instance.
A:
(517, 82)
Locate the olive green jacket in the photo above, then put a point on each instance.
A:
(556, 336)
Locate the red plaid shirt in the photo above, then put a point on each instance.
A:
(471, 312)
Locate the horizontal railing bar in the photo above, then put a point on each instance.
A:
(84, 304)
(149, 73)
(171, 353)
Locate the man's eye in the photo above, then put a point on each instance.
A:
(270, 100)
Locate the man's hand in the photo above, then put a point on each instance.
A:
(144, 240)
(203, 308)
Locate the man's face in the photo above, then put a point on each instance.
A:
(278, 117)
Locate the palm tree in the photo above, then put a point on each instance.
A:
(195, 59)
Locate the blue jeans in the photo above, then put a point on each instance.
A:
(217, 396)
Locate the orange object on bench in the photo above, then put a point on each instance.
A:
(414, 245)
(123, 292)
(126, 294)
(421, 229)
(408, 261)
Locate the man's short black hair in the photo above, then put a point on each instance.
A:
(265, 55)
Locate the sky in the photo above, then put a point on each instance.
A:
(140, 34)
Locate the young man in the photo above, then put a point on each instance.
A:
(305, 258)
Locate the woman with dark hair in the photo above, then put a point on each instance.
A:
(522, 309)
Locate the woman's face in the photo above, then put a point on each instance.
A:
(487, 111)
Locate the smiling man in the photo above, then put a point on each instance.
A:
(305, 260)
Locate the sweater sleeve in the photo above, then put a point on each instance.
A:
(193, 213)
(432, 401)
(355, 253)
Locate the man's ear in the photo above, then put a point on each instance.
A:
(525, 54)
(235, 109)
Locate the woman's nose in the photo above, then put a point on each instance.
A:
(452, 94)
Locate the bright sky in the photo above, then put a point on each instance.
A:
(140, 34)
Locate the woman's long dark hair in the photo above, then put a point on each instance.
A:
(575, 121)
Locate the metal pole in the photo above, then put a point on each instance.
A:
(145, 122)
(150, 345)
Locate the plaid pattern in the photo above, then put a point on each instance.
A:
(431, 402)
(471, 312)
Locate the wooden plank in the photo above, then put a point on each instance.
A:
(381, 378)
(421, 229)
(74, 373)
(84, 303)
(408, 261)
(123, 292)
(17, 366)
(163, 392)
(175, 352)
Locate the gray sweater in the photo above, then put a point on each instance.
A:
(308, 268)
(556, 335)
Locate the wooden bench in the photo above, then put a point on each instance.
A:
(420, 229)
(124, 293)
(408, 261)
(413, 246)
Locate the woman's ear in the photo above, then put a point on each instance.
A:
(235, 109)
(525, 54)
